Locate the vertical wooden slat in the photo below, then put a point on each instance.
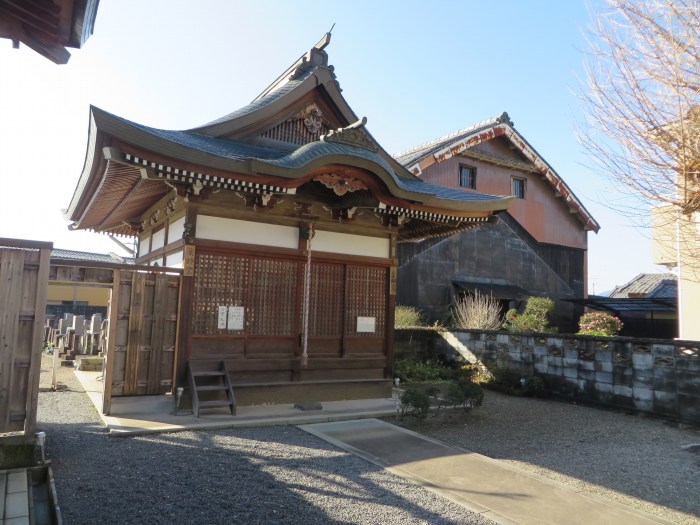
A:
(148, 298)
(160, 298)
(11, 270)
(108, 376)
(169, 334)
(135, 322)
(42, 283)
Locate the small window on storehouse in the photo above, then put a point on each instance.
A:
(467, 177)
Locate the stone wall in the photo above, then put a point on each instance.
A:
(645, 375)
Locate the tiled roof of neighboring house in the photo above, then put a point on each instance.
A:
(410, 156)
(438, 150)
(652, 285)
(111, 258)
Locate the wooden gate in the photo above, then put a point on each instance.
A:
(141, 341)
(24, 270)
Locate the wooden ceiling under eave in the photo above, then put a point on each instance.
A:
(48, 26)
(122, 198)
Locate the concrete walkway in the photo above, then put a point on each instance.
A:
(497, 491)
(153, 414)
(14, 502)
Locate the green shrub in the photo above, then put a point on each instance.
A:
(533, 319)
(534, 386)
(414, 403)
(599, 323)
(464, 394)
(406, 316)
(512, 382)
(427, 372)
(504, 376)
(478, 312)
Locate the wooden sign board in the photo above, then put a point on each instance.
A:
(188, 261)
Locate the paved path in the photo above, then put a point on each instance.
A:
(484, 485)
(14, 502)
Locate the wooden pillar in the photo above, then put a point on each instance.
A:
(108, 372)
(391, 307)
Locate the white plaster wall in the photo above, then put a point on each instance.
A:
(158, 240)
(176, 229)
(143, 245)
(174, 260)
(350, 244)
(247, 232)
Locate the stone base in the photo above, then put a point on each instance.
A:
(16, 456)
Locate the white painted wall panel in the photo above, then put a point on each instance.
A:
(247, 232)
(158, 240)
(176, 229)
(350, 244)
(143, 245)
(174, 260)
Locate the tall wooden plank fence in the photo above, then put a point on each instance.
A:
(24, 270)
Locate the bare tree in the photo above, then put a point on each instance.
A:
(642, 105)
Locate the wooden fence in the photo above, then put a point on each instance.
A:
(24, 269)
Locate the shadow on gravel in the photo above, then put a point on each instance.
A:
(248, 476)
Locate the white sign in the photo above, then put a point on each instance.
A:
(223, 312)
(236, 315)
(366, 324)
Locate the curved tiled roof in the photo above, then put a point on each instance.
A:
(298, 158)
(261, 101)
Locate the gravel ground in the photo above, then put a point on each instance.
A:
(275, 475)
(284, 475)
(633, 460)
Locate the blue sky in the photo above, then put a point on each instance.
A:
(416, 70)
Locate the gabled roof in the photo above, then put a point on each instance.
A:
(435, 151)
(129, 166)
(648, 285)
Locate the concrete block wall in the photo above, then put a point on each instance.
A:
(646, 375)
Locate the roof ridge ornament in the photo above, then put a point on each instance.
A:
(316, 56)
(352, 135)
(504, 118)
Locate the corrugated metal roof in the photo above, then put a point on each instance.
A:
(652, 285)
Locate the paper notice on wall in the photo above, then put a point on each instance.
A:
(366, 324)
(236, 315)
(223, 314)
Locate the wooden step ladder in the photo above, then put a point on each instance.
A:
(211, 382)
